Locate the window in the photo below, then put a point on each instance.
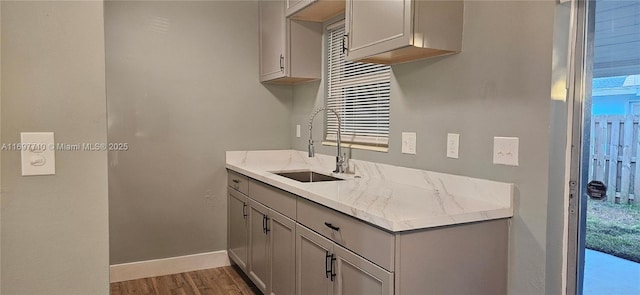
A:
(359, 92)
(634, 108)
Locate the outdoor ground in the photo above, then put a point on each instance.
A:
(605, 274)
(614, 229)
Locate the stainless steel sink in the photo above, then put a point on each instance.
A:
(307, 176)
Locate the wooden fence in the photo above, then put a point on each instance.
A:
(614, 155)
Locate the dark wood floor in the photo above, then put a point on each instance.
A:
(215, 281)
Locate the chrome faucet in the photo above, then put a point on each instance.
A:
(340, 158)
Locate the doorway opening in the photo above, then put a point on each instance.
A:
(605, 205)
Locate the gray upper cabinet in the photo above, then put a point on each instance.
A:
(396, 31)
(238, 230)
(294, 6)
(290, 50)
(314, 10)
(273, 37)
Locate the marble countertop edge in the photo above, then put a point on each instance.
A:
(501, 209)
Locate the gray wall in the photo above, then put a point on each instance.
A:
(54, 228)
(498, 86)
(557, 153)
(182, 88)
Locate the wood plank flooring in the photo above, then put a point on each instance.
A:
(215, 281)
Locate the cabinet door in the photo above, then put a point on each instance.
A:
(272, 39)
(356, 275)
(259, 246)
(237, 228)
(283, 252)
(294, 6)
(312, 262)
(375, 27)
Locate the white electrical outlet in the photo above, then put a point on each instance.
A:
(297, 130)
(409, 143)
(505, 151)
(453, 145)
(38, 155)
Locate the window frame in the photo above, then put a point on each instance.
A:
(328, 26)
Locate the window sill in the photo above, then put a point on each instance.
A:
(382, 149)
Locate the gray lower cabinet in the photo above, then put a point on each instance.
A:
(289, 245)
(271, 250)
(282, 251)
(259, 246)
(238, 182)
(313, 254)
(238, 228)
(327, 268)
(356, 275)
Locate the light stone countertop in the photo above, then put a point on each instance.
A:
(391, 197)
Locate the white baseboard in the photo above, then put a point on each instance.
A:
(167, 266)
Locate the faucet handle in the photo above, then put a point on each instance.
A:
(311, 149)
(339, 164)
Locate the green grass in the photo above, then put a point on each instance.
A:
(614, 229)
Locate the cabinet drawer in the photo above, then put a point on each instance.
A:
(274, 198)
(366, 240)
(238, 182)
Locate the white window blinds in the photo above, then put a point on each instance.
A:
(359, 92)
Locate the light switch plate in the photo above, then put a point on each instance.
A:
(38, 153)
(505, 151)
(297, 130)
(453, 145)
(409, 143)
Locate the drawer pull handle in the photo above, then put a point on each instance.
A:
(331, 226)
(236, 181)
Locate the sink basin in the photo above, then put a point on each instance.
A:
(307, 176)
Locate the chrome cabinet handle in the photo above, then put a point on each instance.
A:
(281, 62)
